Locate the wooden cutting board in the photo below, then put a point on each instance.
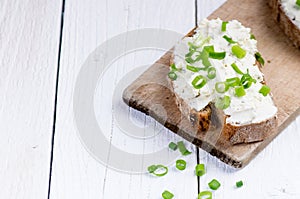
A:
(150, 93)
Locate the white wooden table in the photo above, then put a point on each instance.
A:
(43, 46)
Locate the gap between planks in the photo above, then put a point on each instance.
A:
(56, 95)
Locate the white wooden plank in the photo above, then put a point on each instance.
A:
(29, 37)
(75, 173)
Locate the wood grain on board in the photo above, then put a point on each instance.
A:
(281, 71)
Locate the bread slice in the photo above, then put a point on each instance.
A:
(284, 14)
(209, 118)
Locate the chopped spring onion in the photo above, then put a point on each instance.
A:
(173, 67)
(229, 40)
(224, 24)
(236, 69)
(298, 2)
(217, 55)
(158, 170)
(172, 75)
(205, 195)
(234, 81)
(205, 55)
(264, 90)
(167, 195)
(223, 102)
(180, 164)
(239, 184)
(199, 81)
(182, 148)
(189, 59)
(200, 170)
(239, 91)
(259, 58)
(247, 80)
(193, 68)
(211, 72)
(221, 87)
(252, 37)
(238, 51)
(173, 146)
(214, 184)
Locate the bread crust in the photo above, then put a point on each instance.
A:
(285, 23)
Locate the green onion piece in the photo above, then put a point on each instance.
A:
(173, 67)
(205, 54)
(209, 49)
(217, 55)
(167, 195)
(224, 24)
(223, 102)
(189, 59)
(239, 184)
(172, 75)
(239, 91)
(221, 87)
(236, 69)
(229, 40)
(173, 146)
(247, 80)
(214, 184)
(264, 90)
(180, 164)
(199, 81)
(182, 148)
(298, 2)
(200, 170)
(211, 72)
(205, 195)
(238, 51)
(252, 37)
(158, 170)
(259, 58)
(192, 46)
(193, 68)
(234, 81)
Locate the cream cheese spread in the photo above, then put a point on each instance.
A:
(253, 107)
(292, 10)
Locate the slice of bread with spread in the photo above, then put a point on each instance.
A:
(215, 75)
(287, 14)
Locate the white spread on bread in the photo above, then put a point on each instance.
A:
(292, 10)
(250, 108)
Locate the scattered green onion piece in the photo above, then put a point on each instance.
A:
(259, 58)
(156, 170)
(200, 170)
(238, 51)
(239, 91)
(236, 69)
(189, 59)
(205, 54)
(223, 102)
(172, 75)
(193, 68)
(234, 81)
(173, 146)
(252, 37)
(205, 195)
(173, 67)
(239, 184)
(209, 49)
(221, 87)
(229, 40)
(264, 90)
(211, 72)
(180, 164)
(182, 148)
(224, 24)
(199, 81)
(247, 80)
(167, 195)
(298, 2)
(214, 184)
(217, 55)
